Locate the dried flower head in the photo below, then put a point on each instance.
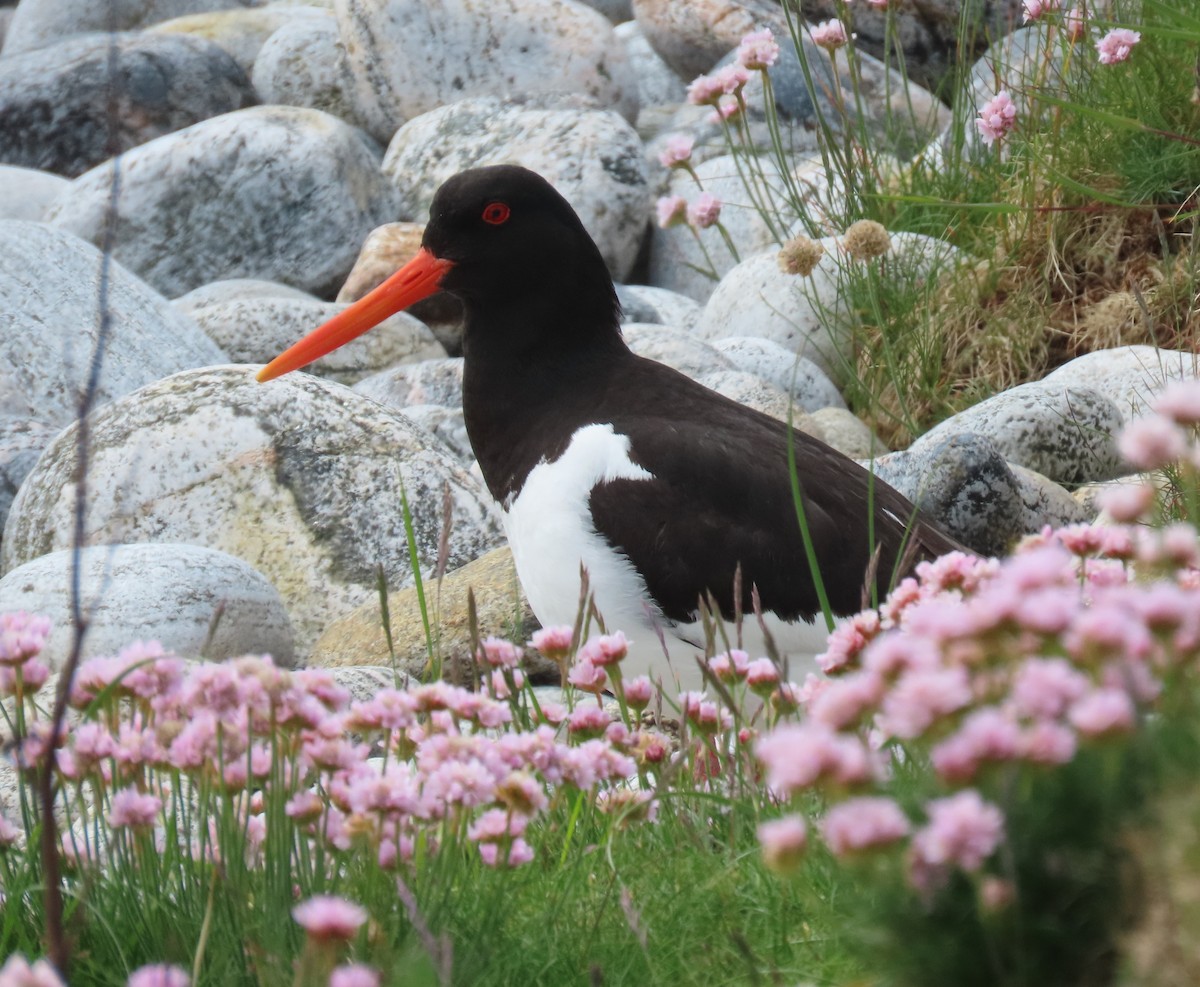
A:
(866, 239)
(799, 256)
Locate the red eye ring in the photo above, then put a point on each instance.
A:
(496, 213)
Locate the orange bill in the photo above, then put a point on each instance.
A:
(417, 279)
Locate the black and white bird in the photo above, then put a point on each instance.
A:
(659, 487)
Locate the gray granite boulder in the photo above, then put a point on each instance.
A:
(21, 442)
(691, 36)
(761, 395)
(592, 157)
(448, 424)
(848, 433)
(196, 602)
(26, 193)
(411, 56)
(242, 31)
(808, 384)
(38, 23)
(56, 106)
(235, 290)
(304, 63)
(676, 348)
(1129, 376)
(299, 477)
(657, 83)
(1065, 433)
(274, 192)
(50, 326)
(255, 330)
(1045, 502)
(428, 382)
(643, 303)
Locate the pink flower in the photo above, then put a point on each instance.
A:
(783, 842)
(607, 649)
(354, 975)
(963, 831)
(762, 676)
(495, 825)
(133, 808)
(830, 35)
(516, 854)
(1117, 45)
(1036, 9)
(1151, 443)
(922, 697)
(677, 151)
(1180, 401)
(639, 691)
(330, 917)
(1076, 22)
(1045, 687)
(17, 972)
(865, 823)
(997, 118)
(729, 666)
(588, 721)
(758, 50)
(987, 734)
(1046, 742)
(586, 676)
(1127, 503)
(555, 642)
(671, 211)
(705, 90)
(1103, 712)
(799, 756)
(22, 636)
(159, 975)
(846, 700)
(705, 211)
(847, 641)
(9, 834)
(499, 653)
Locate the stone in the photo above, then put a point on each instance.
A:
(1045, 502)
(691, 36)
(808, 384)
(617, 11)
(242, 31)
(408, 57)
(643, 303)
(196, 602)
(255, 330)
(657, 83)
(1065, 433)
(300, 478)
(848, 433)
(235, 289)
(592, 157)
(57, 108)
(448, 424)
(38, 23)
(21, 442)
(1129, 376)
(676, 348)
(26, 193)
(50, 326)
(500, 607)
(274, 192)
(756, 393)
(428, 382)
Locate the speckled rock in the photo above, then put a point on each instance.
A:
(42, 22)
(49, 325)
(194, 601)
(21, 442)
(235, 289)
(301, 478)
(255, 330)
(657, 83)
(756, 393)
(358, 638)
(593, 157)
(691, 36)
(304, 64)
(55, 108)
(1064, 433)
(848, 433)
(642, 303)
(808, 384)
(515, 47)
(617, 11)
(1129, 376)
(26, 193)
(242, 31)
(676, 348)
(449, 425)
(1046, 502)
(428, 382)
(274, 192)
(965, 485)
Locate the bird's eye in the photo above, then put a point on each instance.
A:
(496, 213)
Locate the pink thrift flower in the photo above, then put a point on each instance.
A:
(783, 842)
(354, 975)
(847, 641)
(588, 721)
(847, 700)
(159, 975)
(729, 666)
(798, 756)
(830, 35)
(671, 210)
(604, 650)
(1127, 503)
(865, 823)
(1076, 23)
(22, 636)
(758, 50)
(9, 834)
(586, 676)
(1103, 712)
(496, 824)
(997, 118)
(987, 734)
(17, 972)
(921, 698)
(1046, 742)
(762, 676)
(329, 917)
(705, 90)
(1036, 9)
(555, 642)
(498, 653)
(677, 151)
(133, 808)
(1180, 401)
(704, 211)
(726, 108)
(516, 854)
(639, 691)
(1151, 443)
(963, 831)
(1117, 45)
(1045, 687)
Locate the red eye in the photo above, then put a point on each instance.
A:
(496, 213)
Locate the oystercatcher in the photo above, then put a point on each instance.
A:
(671, 496)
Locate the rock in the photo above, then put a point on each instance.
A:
(236, 289)
(617, 11)
(26, 193)
(363, 682)
(693, 35)
(965, 485)
(657, 84)
(300, 478)
(255, 330)
(428, 382)
(57, 109)
(592, 157)
(808, 384)
(1047, 503)
(408, 57)
(1065, 433)
(21, 442)
(449, 425)
(642, 303)
(242, 31)
(274, 192)
(756, 393)
(304, 64)
(1129, 376)
(674, 347)
(196, 602)
(358, 638)
(49, 326)
(848, 433)
(38, 23)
